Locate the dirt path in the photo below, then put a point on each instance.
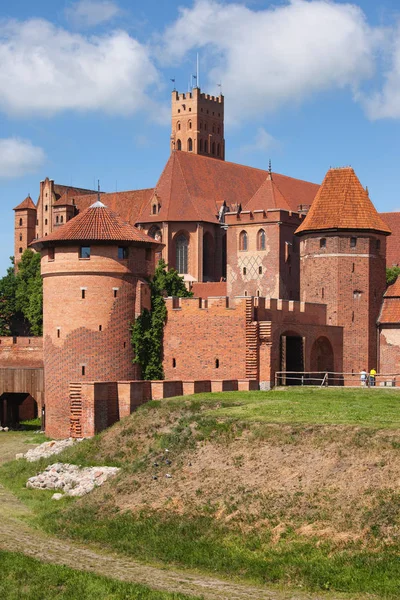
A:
(17, 536)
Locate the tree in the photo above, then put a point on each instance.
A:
(148, 329)
(8, 288)
(391, 274)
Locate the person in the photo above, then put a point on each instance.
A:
(363, 378)
(372, 377)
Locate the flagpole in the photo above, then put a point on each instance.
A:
(197, 72)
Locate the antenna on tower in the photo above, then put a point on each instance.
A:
(269, 166)
(98, 190)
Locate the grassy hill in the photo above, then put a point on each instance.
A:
(299, 488)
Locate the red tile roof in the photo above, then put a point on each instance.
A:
(27, 203)
(61, 190)
(390, 312)
(127, 204)
(96, 223)
(393, 290)
(393, 242)
(267, 196)
(342, 203)
(193, 188)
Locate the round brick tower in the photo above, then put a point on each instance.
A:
(93, 272)
(343, 263)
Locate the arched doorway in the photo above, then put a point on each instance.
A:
(16, 407)
(208, 257)
(292, 358)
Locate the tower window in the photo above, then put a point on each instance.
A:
(357, 294)
(100, 327)
(190, 125)
(217, 363)
(244, 271)
(83, 370)
(178, 126)
(20, 237)
(46, 207)
(378, 244)
(322, 243)
(260, 270)
(84, 252)
(174, 363)
(243, 241)
(115, 291)
(45, 221)
(261, 240)
(122, 252)
(322, 293)
(182, 247)
(190, 145)
(58, 332)
(179, 145)
(148, 253)
(50, 253)
(205, 147)
(20, 250)
(61, 219)
(353, 242)
(57, 219)
(83, 293)
(20, 222)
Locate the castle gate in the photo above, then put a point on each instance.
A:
(21, 392)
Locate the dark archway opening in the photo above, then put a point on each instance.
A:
(292, 359)
(322, 360)
(17, 407)
(208, 257)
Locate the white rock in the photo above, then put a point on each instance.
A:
(19, 456)
(57, 496)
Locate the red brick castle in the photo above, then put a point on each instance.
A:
(287, 275)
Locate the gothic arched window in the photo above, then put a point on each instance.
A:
(178, 126)
(190, 125)
(190, 145)
(206, 146)
(182, 247)
(179, 145)
(243, 241)
(261, 240)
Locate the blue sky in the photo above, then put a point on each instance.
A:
(85, 90)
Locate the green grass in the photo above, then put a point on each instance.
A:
(363, 407)
(203, 543)
(196, 539)
(23, 577)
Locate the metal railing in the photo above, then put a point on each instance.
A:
(329, 379)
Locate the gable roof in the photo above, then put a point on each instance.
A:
(26, 204)
(96, 223)
(342, 203)
(393, 242)
(267, 196)
(193, 187)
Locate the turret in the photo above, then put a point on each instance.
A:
(342, 263)
(94, 270)
(24, 228)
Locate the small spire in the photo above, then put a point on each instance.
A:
(367, 190)
(269, 170)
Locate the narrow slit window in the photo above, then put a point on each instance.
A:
(50, 253)
(115, 291)
(353, 242)
(244, 271)
(100, 328)
(83, 292)
(174, 363)
(58, 332)
(260, 270)
(83, 370)
(322, 243)
(217, 363)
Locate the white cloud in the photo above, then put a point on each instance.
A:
(19, 157)
(263, 142)
(386, 103)
(45, 69)
(89, 13)
(277, 55)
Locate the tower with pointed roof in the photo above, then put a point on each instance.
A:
(24, 227)
(198, 123)
(342, 263)
(94, 272)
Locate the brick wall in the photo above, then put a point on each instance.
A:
(351, 282)
(21, 352)
(196, 338)
(87, 338)
(389, 349)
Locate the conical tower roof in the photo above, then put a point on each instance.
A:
(97, 223)
(27, 203)
(341, 204)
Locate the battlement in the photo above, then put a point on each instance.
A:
(256, 308)
(271, 215)
(196, 94)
